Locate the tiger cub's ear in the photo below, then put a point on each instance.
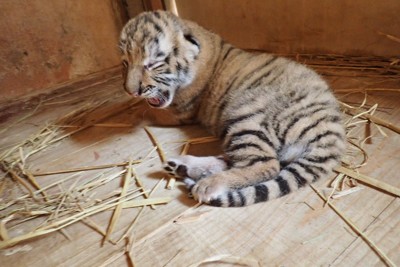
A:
(193, 44)
(190, 38)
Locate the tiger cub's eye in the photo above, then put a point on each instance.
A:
(153, 65)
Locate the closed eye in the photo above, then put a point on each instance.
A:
(153, 65)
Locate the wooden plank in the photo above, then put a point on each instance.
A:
(63, 92)
(323, 235)
(312, 26)
(280, 232)
(154, 4)
(46, 43)
(134, 7)
(385, 229)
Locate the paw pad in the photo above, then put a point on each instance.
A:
(171, 163)
(176, 169)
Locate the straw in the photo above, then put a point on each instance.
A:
(156, 144)
(163, 159)
(369, 180)
(118, 209)
(130, 227)
(86, 168)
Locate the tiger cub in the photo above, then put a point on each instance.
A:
(280, 123)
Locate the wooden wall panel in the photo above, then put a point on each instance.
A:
(301, 26)
(43, 43)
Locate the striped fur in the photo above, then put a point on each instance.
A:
(280, 122)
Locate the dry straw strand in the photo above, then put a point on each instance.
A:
(185, 148)
(202, 140)
(118, 209)
(140, 184)
(146, 202)
(22, 182)
(33, 181)
(132, 224)
(114, 125)
(364, 114)
(369, 180)
(87, 168)
(363, 90)
(3, 230)
(335, 185)
(389, 36)
(156, 143)
(171, 183)
(163, 158)
(89, 222)
(352, 190)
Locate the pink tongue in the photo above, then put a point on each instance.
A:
(154, 101)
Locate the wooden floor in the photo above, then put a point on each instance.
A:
(297, 230)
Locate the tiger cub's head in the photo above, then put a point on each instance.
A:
(158, 51)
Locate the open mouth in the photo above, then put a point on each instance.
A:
(158, 101)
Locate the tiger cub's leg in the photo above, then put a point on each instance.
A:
(211, 187)
(193, 167)
(253, 159)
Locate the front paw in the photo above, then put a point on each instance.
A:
(208, 189)
(176, 168)
(185, 166)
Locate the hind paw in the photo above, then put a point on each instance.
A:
(208, 190)
(195, 168)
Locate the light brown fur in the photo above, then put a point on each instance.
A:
(279, 120)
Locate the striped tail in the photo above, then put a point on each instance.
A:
(291, 178)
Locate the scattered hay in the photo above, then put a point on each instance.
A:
(52, 208)
(368, 115)
(369, 181)
(66, 207)
(352, 66)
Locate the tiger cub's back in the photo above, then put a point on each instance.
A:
(280, 122)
